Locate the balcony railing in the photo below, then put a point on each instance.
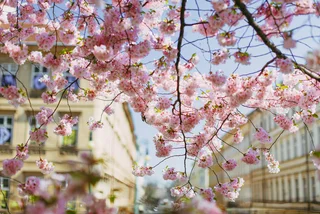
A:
(36, 150)
(293, 201)
(68, 150)
(6, 149)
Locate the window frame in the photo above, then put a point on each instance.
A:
(5, 125)
(297, 189)
(8, 72)
(30, 117)
(6, 190)
(68, 75)
(74, 127)
(313, 189)
(33, 74)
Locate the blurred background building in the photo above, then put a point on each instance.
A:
(296, 189)
(115, 142)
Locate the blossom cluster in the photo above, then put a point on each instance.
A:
(142, 170)
(263, 136)
(109, 46)
(252, 156)
(229, 164)
(273, 165)
(172, 174)
(180, 191)
(45, 166)
(65, 125)
(230, 189)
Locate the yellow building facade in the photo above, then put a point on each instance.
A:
(115, 143)
(295, 189)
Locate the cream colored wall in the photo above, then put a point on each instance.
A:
(255, 175)
(115, 142)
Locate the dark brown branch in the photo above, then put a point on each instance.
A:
(182, 25)
(243, 8)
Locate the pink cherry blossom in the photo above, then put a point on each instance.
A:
(285, 65)
(102, 53)
(231, 189)
(273, 165)
(30, 187)
(205, 159)
(93, 125)
(205, 206)
(163, 149)
(14, 95)
(180, 191)
(218, 78)
(168, 27)
(229, 164)
(45, 166)
(142, 171)
(284, 122)
(238, 137)
(38, 135)
(45, 40)
(44, 117)
(242, 57)
(288, 42)
(18, 54)
(220, 56)
(170, 174)
(22, 151)
(251, 157)
(171, 70)
(262, 136)
(207, 194)
(11, 166)
(227, 39)
(65, 125)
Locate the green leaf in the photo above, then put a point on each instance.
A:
(316, 154)
(282, 87)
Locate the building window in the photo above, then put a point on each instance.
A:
(32, 125)
(6, 125)
(318, 135)
(282, 151)
(71, 79)
(283, 190)
(303, 143)
(313, 188)
(290, 189)
(310, 141)
(297, 189)
(72, 139)
(277, 191)
(289, 150)
(38, 71)
(270, 122)
(5, 188)
(305, 189)
(295, 146)
(271, 190)
(277, 152)
(7, 72)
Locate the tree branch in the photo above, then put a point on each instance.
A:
(243, 8)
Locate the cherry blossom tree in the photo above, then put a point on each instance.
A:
(189, 68)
